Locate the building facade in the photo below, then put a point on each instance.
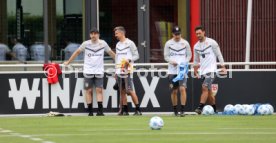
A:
(148, 24)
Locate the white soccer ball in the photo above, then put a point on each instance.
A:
(156, 123)
(228, 109)
(270, 107)
(263, 110)
(245, 106)
(249, 109)
(208, 110)
(238, 109)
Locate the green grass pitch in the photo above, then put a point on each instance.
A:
(117, 129)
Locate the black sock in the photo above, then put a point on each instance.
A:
(90, 107)
(100, 106)
(125, 108)
(174, 108)
(201, 105)
(137, 107)
(215, 107)
(182, 108)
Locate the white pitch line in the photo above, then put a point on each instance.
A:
(162, 133)
(36, 139)
(5, 131)
(24, 136)
(47, 142)
(30, 137)
(15, 134)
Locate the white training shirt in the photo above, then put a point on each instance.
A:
(179, 52)
(206, 53)
(94, 56)
(125, 50)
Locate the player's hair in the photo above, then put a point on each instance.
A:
(120, 28)
(200, 27)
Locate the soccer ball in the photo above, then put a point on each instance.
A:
(238, 109)
(263, 110)
(156, 123)
(270, 107)
(208, 110)
(249, 109)
(229, 109)
(244, 106)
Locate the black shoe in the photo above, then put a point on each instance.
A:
(182, 114)
(90, 114)
(175, 113)
(137, 113)
(125, 113)
(198, 111)
(120, 113)
(100, 113)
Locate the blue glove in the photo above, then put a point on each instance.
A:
(183, 70)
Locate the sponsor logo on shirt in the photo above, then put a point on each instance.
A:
(94, 55)
(176, 54)
(123, 53)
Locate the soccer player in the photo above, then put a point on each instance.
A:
(206, 53)
(126, 54)
(93, 68)
(177, 51)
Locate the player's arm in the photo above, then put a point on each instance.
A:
(111, 54)
(108, 50)
(166, 53)
(188, 53)
(196, 63)
(74, 55)
(134, 52)
(218, 54)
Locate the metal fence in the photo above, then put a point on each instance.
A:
(225, 21)
(138, 67)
